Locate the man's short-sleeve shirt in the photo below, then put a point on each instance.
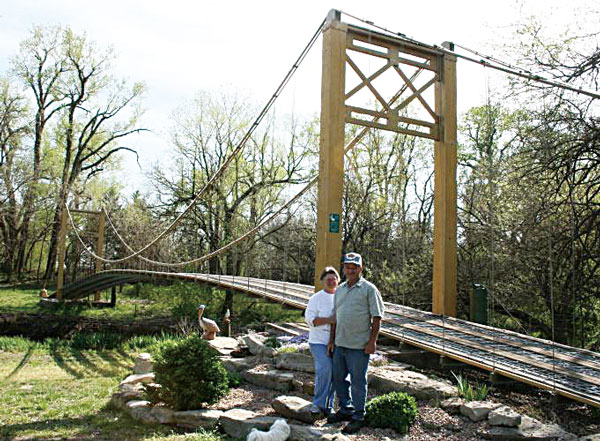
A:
(354, 309)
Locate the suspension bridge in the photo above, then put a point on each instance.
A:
(422, 71)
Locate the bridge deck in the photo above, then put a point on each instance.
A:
(569, 371)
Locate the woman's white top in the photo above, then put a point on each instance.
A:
(321, 305)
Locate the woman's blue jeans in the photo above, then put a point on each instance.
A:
(351, 394)
(323, 386)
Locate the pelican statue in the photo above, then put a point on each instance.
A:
(209, 327)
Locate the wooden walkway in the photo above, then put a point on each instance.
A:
(568, 371)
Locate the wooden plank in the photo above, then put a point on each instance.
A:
(422, 89)
(371, 78)
(367, 83)
(403, 45)
(376, 125)
(416, 92)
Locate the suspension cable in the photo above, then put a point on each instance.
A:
(347, 148)
(486, 60)
(234, 153)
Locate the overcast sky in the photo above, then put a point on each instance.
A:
(180, 47)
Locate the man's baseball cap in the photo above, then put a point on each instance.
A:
(353, 258)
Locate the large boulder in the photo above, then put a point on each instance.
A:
(295, 361)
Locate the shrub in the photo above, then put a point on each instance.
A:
(396, 410)
(234, 379)
(190, 373)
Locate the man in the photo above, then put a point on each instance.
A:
(358, 312)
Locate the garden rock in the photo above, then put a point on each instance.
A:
(340, 437)
(398, 379)
(594, 437)
(143, 364)
(224, 345)
(239, 364)
(304, 387)
(270, 379)
(163, 415)
(478, 410)
(293, 407)
(139, 378)
(504, 416)
(120, 399)
(143, 414)
(137, 403)
(237, 423)
(295, 361)
(530, 429)
(204, 418)
(310, 433)
(452, 405)
(256, 345)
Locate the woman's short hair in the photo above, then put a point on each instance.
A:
(329, 270)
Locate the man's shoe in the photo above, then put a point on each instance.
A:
(353, 427)
(338, 417)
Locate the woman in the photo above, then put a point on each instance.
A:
(319, 316)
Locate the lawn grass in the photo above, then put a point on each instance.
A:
(53, 393)
(53, 390)
(178, 300)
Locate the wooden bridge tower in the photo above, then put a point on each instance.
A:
(419, 68)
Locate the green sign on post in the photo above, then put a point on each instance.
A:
(334, 223)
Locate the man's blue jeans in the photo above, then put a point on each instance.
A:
(351, 394)
(323, 386)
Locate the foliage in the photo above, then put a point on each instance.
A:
(190, 373)
(395, 410)
(234, 379)
(272, 342)
(288, 349)
(470, 392)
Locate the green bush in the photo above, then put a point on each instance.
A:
(395, 410)
(190, 373)
(234, 379)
